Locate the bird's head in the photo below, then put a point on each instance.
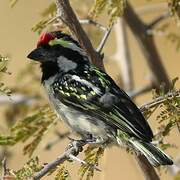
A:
(52, 45)
(57, 51)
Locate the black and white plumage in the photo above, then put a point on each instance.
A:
(88, 100)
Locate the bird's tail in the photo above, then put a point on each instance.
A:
(155, 155)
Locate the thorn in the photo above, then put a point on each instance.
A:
(74, 158)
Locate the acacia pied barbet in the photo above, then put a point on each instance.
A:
(89, 101)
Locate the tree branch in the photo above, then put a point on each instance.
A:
(123, 55)
(148, 47)
(74, 150)
(104, 40)
(159, 74)
(67, 15)
(18, 98)
(159, 100)
(147, 169)
(158, 19)
(90, 21)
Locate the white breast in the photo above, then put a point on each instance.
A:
(76, 120)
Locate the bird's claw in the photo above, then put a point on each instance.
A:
(77, 146)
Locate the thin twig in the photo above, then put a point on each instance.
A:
(18, 99)
(148, 47)
(74, 158)
(159, 100)
(52, 20)
(90, 21)
(104, 40)
(158, 19)
(73, 150)
(4, 167)
(122, 54)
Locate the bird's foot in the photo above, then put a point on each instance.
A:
(77, 146)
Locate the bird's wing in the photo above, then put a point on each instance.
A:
(95, 93)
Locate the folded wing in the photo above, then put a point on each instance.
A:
(95, 93)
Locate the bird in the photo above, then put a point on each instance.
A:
(89, 101)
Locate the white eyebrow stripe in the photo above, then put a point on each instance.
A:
(88, 84)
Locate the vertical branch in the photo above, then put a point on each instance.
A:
(148, 171)
(159, 74)
(123, 55)
(67, 15)
(148, 47)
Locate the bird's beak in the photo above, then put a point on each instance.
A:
(36, 55)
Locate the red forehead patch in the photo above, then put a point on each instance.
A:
(45, 38)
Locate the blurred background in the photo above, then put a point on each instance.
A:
(17, 40)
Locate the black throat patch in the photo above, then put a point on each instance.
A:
(49, 69)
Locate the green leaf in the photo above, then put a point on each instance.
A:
(3, 63)
(168, 117)
(3, 68)
(114, 9)
(47, 15)
(174, 6)
(28, 169)
(32, 127)
(49, 11)
(13, 2)
(4, 89)
(40, 26)
(62, 173)
(92, 157)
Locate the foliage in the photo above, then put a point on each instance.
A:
(3, 69)
(47, 15)
(175, 8)
(92, 157)
(115, 9)
(28, 169)
(13, 2)
(169, 106)
(40, 25)
(62, 173)
(32, 127)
